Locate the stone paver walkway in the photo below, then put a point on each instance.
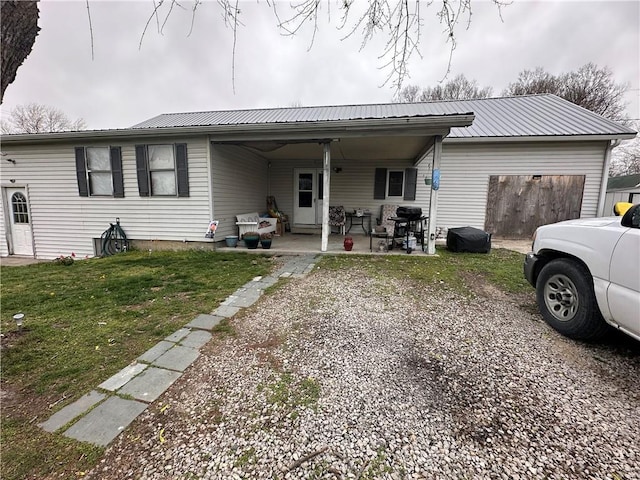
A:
(99, 416)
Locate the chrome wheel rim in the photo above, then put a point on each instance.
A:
(561, 297)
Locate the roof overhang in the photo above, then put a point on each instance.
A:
(427, 125)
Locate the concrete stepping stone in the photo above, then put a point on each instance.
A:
(178, 358)
(205, 322)
(196, 339)
(155, 351)
(150, 384)
(178, 335)
(225, 311)
(102, 424)
(122, 377)
(71, 411)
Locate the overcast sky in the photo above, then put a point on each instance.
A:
(172, 72)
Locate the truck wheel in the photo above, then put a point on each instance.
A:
(567, 302)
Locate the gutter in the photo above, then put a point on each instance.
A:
(424, 125)
(605, 176)
(542, 138)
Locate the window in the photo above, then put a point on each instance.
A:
(99, 171)
(395, 183)
(19, 207)
(162, 170)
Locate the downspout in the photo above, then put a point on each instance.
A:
(326, 188)
(605, 176)
(210, 178)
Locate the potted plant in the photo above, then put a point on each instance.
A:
(265, 240)
(251, 239)
(231, 240)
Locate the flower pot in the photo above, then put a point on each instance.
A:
(251, 242)
(266, 243)
(348, 244)
(231, 241)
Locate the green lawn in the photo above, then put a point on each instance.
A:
(83, 323)
(86, 321)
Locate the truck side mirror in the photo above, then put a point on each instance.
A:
(631, 218)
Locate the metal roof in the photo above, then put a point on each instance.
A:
(520, 116)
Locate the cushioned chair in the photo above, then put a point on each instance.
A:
(338, 218)
(386, 228)
(283, 220)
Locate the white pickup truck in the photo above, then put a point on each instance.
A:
(587, 274)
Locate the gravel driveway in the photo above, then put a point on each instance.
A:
(367, 377)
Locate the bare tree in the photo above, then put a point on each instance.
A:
(399, 22)
(18, 31)
(458, 88)
(590, 87)
(626, 157)
(36, 118)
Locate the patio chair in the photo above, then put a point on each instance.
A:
(338, 218)
(386, 228)
(283, 220)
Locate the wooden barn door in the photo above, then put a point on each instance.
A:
(518, 204)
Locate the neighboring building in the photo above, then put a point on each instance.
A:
(622, 189)
(506, 165)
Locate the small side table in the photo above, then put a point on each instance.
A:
(359, 220)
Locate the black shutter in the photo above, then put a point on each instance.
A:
(183, 170)
(81, 172)
(142, 169)
(410, 182)
(116, 172)
(380, 184)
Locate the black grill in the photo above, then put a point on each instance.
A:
(410, 213)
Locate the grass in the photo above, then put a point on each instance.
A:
(83, 323)
(86, 321)
(502, 268)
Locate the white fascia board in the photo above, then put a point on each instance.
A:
(427, 125)
(542, 138)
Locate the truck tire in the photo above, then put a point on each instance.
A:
(567, 302)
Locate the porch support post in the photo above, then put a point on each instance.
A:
(433, 202)
(326, 188)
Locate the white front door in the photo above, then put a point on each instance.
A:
(307, 196)
(19, 221)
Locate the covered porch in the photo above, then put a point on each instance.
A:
(359, 163)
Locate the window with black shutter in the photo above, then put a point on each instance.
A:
(99, 171)
(162, 170)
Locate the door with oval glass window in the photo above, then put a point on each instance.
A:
(19, 221)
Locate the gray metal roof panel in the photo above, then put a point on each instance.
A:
(520, 116)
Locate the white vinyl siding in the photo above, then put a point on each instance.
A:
(240, 183)
(466, 168)
(351, 188)
(64, 222)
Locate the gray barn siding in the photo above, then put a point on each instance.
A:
(466, 168)
(240, 182)
(63, 222)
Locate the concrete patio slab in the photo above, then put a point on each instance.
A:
(196, 339)
(155, 351)
(102, 424)
(122, 377)
(205, 322)
(178, 358)
(150, 384)
(71, 411)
